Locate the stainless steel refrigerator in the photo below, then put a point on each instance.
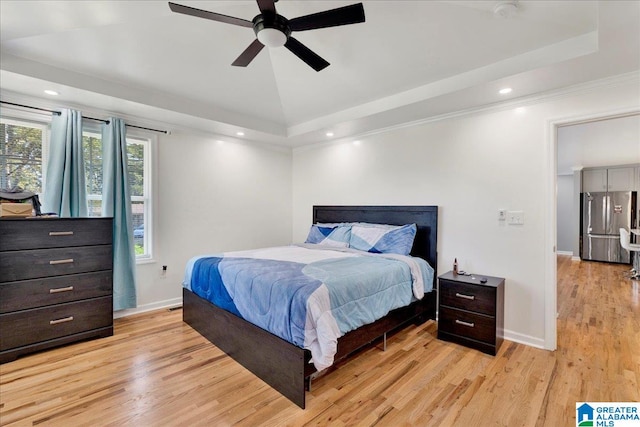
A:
(603, 214)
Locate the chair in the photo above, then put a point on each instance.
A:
(625, 242)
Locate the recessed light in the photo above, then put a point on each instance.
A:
(240, 133)
(356, 142)
(520, 110)
(329, 134)
(51, 92)
(505, 91)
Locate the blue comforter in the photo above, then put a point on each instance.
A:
(309, 295)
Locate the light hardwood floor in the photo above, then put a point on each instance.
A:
(156, 371)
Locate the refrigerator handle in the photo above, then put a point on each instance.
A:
(634, 210)
(610, 215)
(605, 214)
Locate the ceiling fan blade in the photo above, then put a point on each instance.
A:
(249, 53)
(352, 14)
(307, 55)
(267, 6)
(199, 13)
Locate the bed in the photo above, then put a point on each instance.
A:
(285, 366)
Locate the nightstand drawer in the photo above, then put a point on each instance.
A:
(481, 299)
(26, 294)
(26, 327)
(24, 265)
(466, 324)
(54, 233)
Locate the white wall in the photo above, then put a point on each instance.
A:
(212, 197)
(470, 166)
(566, 219)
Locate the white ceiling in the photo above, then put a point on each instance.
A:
(409, 61)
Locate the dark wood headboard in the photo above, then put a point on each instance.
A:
(425, 244)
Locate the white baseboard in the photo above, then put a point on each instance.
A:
(524, 339)
(573, 257)
(170, 303)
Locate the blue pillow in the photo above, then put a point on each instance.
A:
(381, 238)
(329, 236)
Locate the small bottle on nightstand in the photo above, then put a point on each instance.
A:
(455, 266)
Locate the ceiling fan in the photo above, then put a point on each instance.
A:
(275, 30)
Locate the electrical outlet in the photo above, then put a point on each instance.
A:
(502, 214)
(515, 217)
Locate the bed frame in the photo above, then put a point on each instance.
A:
(285, 366)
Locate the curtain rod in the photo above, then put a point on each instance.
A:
(88, 118)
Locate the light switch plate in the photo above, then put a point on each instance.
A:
(515, 217)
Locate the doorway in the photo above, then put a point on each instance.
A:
(592, 145)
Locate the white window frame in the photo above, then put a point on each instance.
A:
(35, 121)
(94, 129)
(146, 140)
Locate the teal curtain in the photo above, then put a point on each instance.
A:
(116, 203)
(66, 192)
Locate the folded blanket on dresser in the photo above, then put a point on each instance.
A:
(309, 295)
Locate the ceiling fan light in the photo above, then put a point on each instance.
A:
(271, 37)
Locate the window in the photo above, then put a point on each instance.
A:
(23, 157)
(21, 148)
(137, 165)
(137, 155)
(92, 146)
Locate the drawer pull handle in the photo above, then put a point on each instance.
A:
(469, 324)
(61, 261)
(56, 290)
(61, 233)
(63, 320)
(471, 297)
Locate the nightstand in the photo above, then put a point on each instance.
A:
(471, 313)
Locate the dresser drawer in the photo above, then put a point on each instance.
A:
(26, 327)
(34, 293)
(481, 299)
(19, 234)
(24, 265)
(466, 324)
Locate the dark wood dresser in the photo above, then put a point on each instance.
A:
(56, 283)
(471, 312)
